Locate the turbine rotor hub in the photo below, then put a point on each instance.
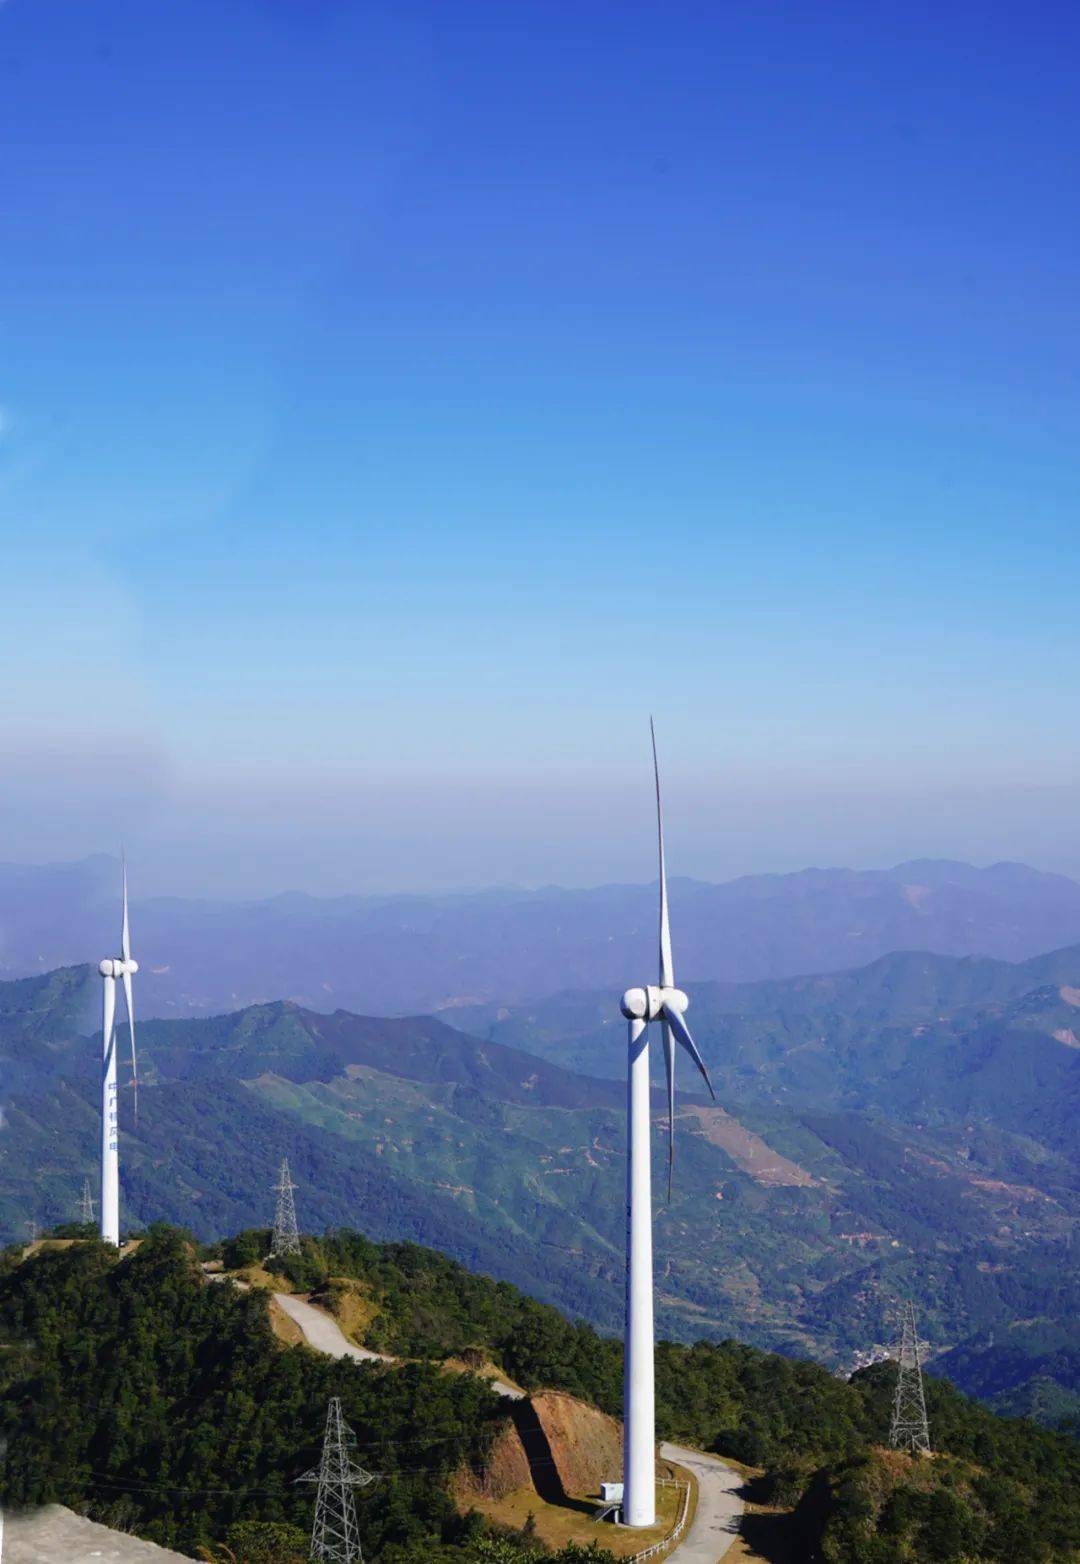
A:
(648, 1004)
(115, 968)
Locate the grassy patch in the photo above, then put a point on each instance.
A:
(351, 1304)
(572, 1521)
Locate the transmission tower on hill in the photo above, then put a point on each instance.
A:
(286, 1238)
(86, 1205)
(335, 1537)
(910, 1429)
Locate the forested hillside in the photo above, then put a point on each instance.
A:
(795, 1220)
(947, 1084)
(137, 1388)
(167, 1404)
(919, 1038)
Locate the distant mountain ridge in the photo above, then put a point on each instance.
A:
(409, 954)
(919, 1037)
(870, 1142)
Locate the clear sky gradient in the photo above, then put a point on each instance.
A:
(400, 401)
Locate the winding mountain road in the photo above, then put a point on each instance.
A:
(322, 1331)
(716, 1519)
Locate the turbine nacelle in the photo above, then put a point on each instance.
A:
(649, 1004)
(118, 968)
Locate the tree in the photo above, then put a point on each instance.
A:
(267, 1542)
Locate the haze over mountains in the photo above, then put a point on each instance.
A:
(905, 1126)
(407, 954)
(898, 1119)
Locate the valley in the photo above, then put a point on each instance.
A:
(857, 1154)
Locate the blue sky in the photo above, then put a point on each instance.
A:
(400, 402)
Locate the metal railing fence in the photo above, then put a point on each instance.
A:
(676, 1531)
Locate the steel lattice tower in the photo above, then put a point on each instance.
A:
(86, 1205)
(286, 1238)
(910, 1429)
(335, 1537)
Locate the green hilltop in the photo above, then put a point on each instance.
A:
(165, 1404)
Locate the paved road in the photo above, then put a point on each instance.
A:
(54, 1535)
(322, 1332)
(716, 1520)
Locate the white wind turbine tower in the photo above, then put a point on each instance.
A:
(666, 1004)
(123, 968)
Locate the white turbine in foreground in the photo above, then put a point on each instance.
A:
(666, 1004)
(124, 968)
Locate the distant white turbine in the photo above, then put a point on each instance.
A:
(124, 968)
(666, 1004)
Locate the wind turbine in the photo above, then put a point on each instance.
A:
(667, 1004)
(112, 968)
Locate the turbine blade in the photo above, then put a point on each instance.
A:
(682, 1032)
(669, 1067)
(125, 935)
(129, 1006)
(667, 973)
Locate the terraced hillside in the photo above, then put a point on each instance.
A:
(795, 1221)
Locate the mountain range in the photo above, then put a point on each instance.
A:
(391, 955)
(919, 1038)
(905, 1127)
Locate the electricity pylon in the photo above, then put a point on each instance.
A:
(286, 1238)
(335, 1538)
(86, 1205)
(910, 1429)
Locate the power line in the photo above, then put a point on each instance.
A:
(107, 1480)
(377, 1446)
